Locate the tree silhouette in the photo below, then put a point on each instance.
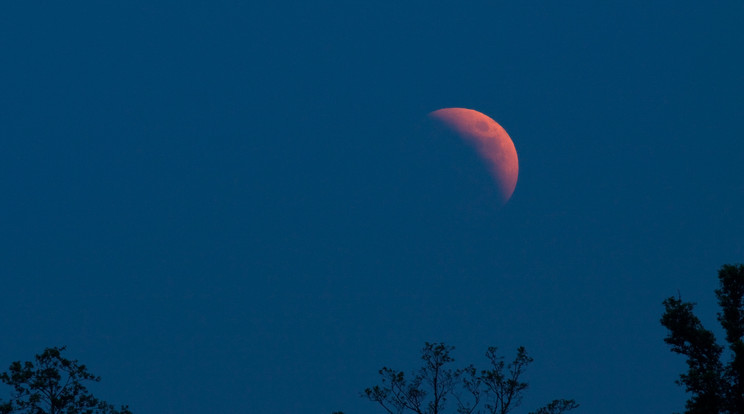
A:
(715, 386)
(496, 390)
(53, 385)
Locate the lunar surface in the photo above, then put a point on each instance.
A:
(489, 139)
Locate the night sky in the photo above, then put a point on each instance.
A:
(235, 207)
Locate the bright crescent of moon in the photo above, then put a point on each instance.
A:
(490, 140)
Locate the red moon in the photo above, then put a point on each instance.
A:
(490, 140)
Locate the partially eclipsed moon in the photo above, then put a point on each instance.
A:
(489, 139)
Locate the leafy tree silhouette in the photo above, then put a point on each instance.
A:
(53, 385)
(715, 386)
(496, 390)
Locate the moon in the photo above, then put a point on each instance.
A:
(489, 139)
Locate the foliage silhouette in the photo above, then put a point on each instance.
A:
(53, 385)
(715, 386)
(496, 390)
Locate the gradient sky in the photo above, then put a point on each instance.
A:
(230, 206)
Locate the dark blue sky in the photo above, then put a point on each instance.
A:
(225, 206)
